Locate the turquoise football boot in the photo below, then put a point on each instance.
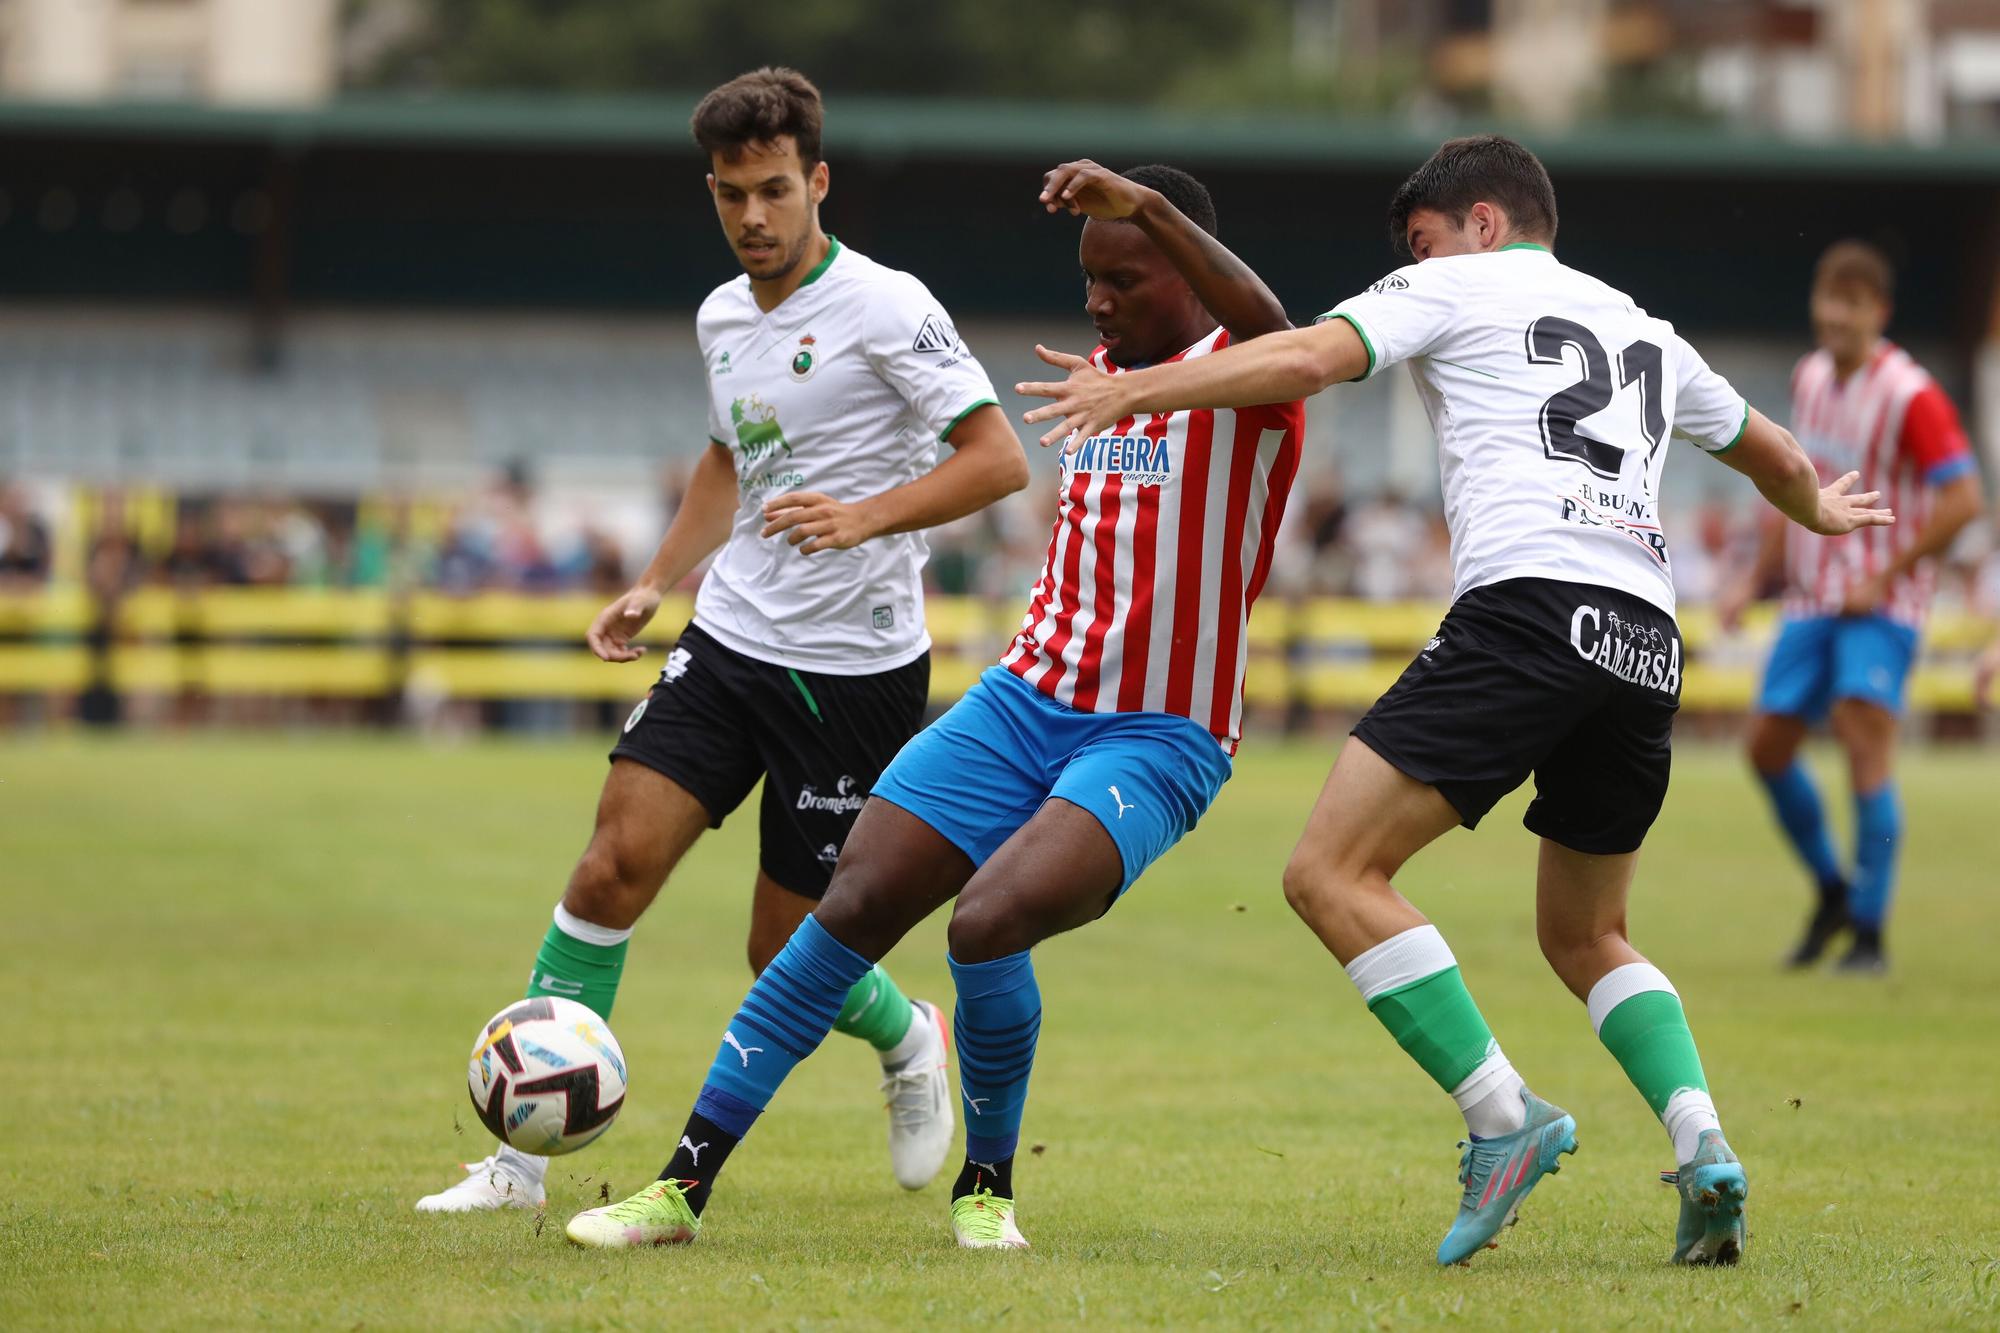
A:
(1712, 1189)
(1497, 1174)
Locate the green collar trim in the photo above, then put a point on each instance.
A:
(832, 253)
(1517, 245)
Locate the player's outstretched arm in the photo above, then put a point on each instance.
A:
(986, 463)
(701, 524)
(1276, 368)
(1227, 287)
(1771, 458)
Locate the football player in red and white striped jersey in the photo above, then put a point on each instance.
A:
(1064, 772)
(1854, 608)
(1163, 543)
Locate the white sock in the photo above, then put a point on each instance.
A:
(1399, 961)
(1689, 1113)
(914, 1043)
(526, 1166)
(574, 926)
(1490, 1096)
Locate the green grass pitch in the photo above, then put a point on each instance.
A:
(242, 976)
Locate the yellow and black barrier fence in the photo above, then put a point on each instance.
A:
(1331, 654)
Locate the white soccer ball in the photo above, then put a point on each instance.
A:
(546, 1076)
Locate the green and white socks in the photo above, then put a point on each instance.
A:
(1412, 984)
(1638, 1017)
(877, 1012)
(583, 962)
(580, 961)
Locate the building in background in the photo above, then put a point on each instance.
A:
(232, 52)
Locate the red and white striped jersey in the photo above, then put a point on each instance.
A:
(1163, 539)
(1893, 424)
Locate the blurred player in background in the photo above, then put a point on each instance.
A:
(831, 381)
(1553, 398)
(1854, 609)
(1104, 733)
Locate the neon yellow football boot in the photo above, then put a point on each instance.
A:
(656, 1215)
(984, 1221)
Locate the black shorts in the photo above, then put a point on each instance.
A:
(1575, 683)
(716, 721)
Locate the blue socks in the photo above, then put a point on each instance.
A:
(999, 1017)
(784, 1018)
(1804, 820)
(1878, 829)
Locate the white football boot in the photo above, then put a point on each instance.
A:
(919, 1095)
(507, 1179)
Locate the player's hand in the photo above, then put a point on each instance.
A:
(1983, 673)
(1866, 597)
(1083, 187)
(610, 635)
(1841, 513)
(815, 522)
(1085, 403)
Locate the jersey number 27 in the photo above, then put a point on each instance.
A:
(1549, 340)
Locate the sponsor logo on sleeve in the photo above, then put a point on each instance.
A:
(1395, 282)
(936, 336)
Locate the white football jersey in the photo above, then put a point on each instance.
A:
(1553, 397)
(846, 388)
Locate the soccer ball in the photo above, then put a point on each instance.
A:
(546, 1076)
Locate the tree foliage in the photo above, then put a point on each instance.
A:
(1091, 50)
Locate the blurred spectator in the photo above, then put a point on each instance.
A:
(604, 564)
(1386, 535)
(1430, 568)
(24, 541)
(1701, 553)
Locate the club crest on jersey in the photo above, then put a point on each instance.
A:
(1139, 459)
(806, 360)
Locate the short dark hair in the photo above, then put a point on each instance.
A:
(1181, 190)
(1463, 172)
(758, 107)
(1860, 263)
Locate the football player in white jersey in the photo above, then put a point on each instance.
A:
(831, 381)
(1554, 399)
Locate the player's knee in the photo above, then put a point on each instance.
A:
(1315, 886)
(1770, 753)
(984, 928)
(1581, 949)
(861, 909)
(604, 890)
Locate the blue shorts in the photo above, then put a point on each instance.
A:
(1818, 659)
(982, 770)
